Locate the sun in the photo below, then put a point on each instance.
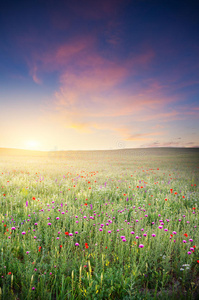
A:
(32, 144)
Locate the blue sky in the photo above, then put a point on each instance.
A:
(99, 74)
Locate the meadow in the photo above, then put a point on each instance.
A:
(119, 224)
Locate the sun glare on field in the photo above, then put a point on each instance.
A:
(32, 145)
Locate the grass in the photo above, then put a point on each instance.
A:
(79, 225)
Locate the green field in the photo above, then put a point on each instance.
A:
(119, 224)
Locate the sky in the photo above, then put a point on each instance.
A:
(99, 75)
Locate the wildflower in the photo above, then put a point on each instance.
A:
(165, 229)
(160, 227)
(174, 232)
(23, 233)
(185, 234)
(50, 273)
(109, 231)
(100, 229)
(27, 252)
(132, 232)
(66, 233)
(141, 246)
(33, 288)
(76, 244)
(70, 234)
(57, 218)
(9, 273)
(13, 228)
(153, 234)
(76, 232)
(144, 234)
(190, 240)
(189, 252)
(60, 246)
(137, 237)
(184, 241)
(49, 224)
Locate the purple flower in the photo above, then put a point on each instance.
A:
(76, 232)
(189, 252)
(184, 241)
(57, 218)
(33, 288)
(141, 246)
(13, 228)
(160, 227)
(153, 234)
(36, 224)
(132, 232)
(70, 234)
(23, 232)
(49, 224)
(190, 240)
(76, 244)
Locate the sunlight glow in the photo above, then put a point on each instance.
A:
(32, 145)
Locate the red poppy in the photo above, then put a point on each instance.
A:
(9, 273)
(194, 246)
(198, 261)
(171, 235)
(60, 246)
(66, 233)
(165, 199)
(33, 198)
(183, 196)
(193, 208)
(85, 204)
(186, 234)
(5, 225)
(175, 193)
(171, 190)
(4, 194)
